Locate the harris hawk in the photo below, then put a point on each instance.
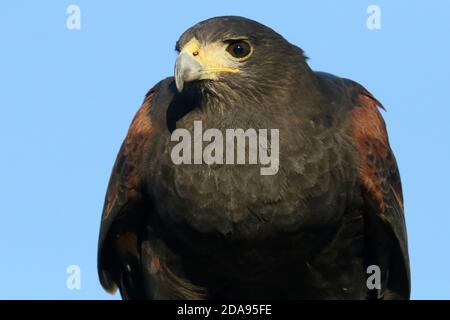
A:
(217, 231)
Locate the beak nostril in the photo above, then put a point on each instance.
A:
(195, 53)
(187, 69)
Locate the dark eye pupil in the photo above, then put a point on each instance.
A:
(239, 49)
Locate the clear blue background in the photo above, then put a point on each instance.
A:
(67, 98)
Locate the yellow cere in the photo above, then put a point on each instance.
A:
(213, 57)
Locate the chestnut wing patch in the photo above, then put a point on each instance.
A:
(123, 200)
(124, 183)
(382, 191)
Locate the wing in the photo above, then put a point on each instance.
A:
(124, 209)
(382, 196)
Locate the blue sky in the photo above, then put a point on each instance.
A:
(68, 96)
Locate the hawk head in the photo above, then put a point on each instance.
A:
(234, 56)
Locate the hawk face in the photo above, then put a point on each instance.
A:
(235, 56)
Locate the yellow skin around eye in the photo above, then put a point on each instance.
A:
(213, 57)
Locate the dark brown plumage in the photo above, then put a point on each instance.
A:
(225, 231)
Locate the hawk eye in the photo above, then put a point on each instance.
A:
(239, 49)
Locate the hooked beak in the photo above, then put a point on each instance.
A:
(187, 69)
(201, 63)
